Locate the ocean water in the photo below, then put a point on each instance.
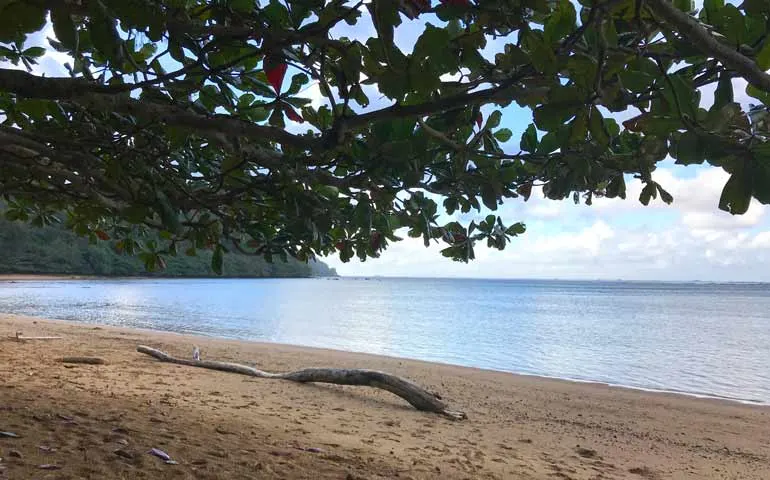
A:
(696, 338)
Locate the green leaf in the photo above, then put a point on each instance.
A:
(551, 116)
(664, 195)
(167, 213)
(516, 229)
(34, 52)
(20, 18)
(736, 194)
(503, 135)
(561, 22)
(275, 12)
(724, 91)
(761, 180)
(494, 120)
(450, 204)
(760, 95)
(351, 63)
(217, 260)
(689, 149)
(529, 139)
(384, 14)
(243, 6)
(649, 191)
(734, 24)
(680, 94)
(616, 188)
(636, 81)
(597, 128)
(297, 81)
(763, 57)
(454, 28)
(104, 33)
(712, 11)
(541, 54)
(579, 128)
(686, 6)
(549, 143)
(489, 197)
(754, 7)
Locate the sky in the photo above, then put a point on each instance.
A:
(612, 239)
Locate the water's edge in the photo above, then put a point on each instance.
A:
(701, 340)
(636, 388)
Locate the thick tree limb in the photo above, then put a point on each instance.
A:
(700, 38)
(507, 90)
(418, 397)
(87, 94)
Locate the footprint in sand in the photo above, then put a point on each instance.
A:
(586, 452)
(644, 472)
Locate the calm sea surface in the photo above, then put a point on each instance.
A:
(711, 339)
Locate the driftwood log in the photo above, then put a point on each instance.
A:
(19, 337)
(417, 396)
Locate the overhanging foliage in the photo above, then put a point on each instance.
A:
(179, 116)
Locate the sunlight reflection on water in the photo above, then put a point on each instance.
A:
(697, 338)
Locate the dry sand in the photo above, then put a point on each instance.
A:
(99, 421)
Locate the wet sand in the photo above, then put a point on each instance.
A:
(99, 421)
(24, 277)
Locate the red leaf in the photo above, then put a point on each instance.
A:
(293, 116)
(340, 245)
(479, 120)
(102, 235)
(275, 76)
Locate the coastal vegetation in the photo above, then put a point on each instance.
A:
(54, 250)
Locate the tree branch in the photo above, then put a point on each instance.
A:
(693, 32)
(438, 135)
(31, 86)
(500, 92)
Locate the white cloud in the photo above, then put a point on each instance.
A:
(613, 239)
(695, 199)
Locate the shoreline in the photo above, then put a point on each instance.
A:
(37, 277)
(220, 425)
(634, 388)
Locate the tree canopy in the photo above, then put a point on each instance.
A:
(191, 117)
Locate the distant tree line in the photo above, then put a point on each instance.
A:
(54, 250)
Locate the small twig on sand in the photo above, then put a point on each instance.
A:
(21, 338)
(86, 360)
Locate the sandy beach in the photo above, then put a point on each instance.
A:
(99, 421)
